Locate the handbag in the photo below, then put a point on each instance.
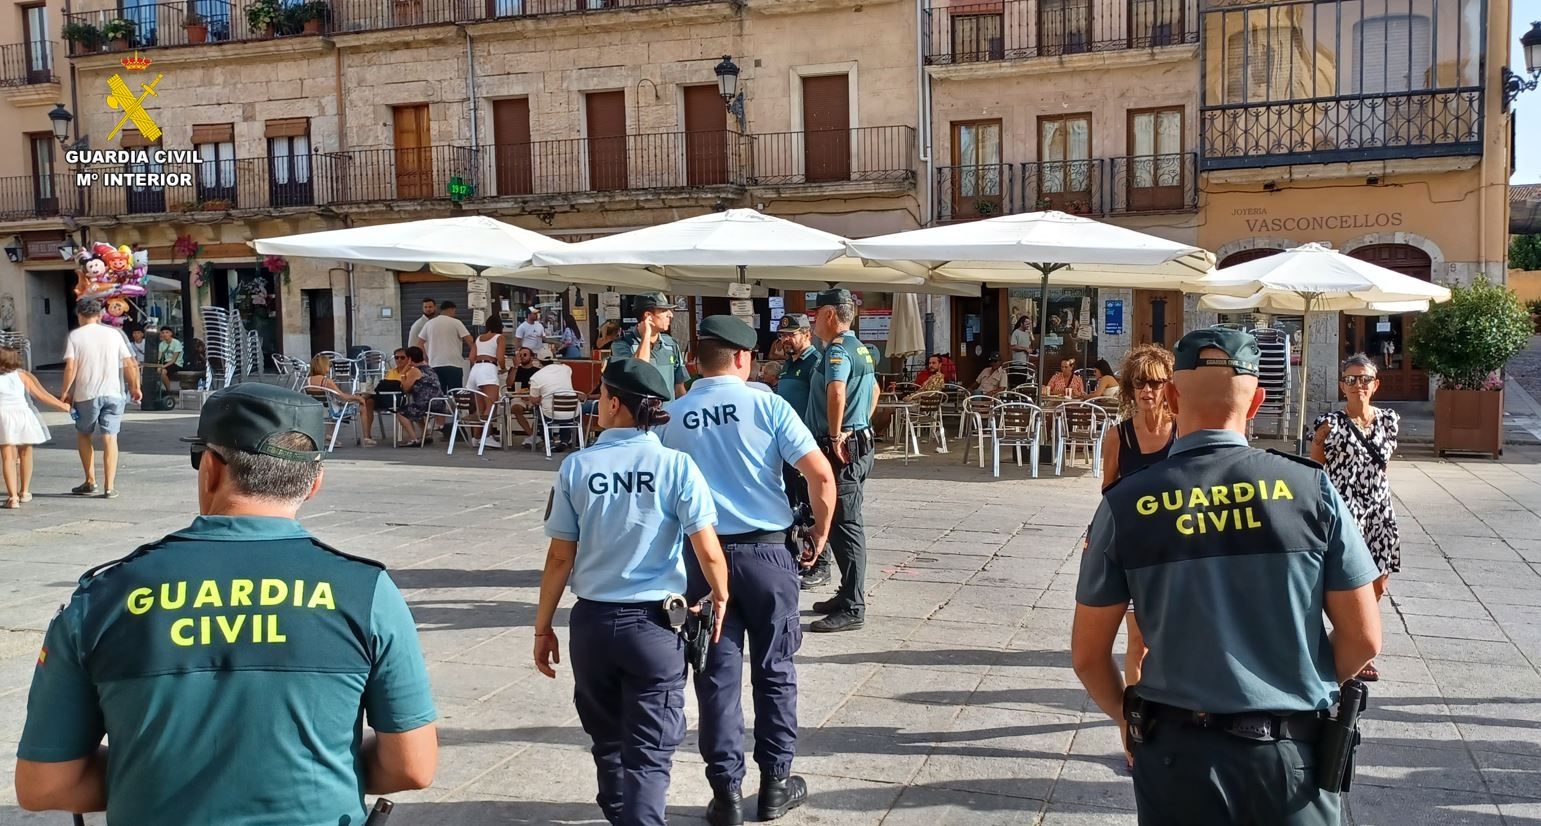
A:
(1375, 454)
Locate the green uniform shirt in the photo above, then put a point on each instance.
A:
(845, 359)
(1227, 553)
(233, 664)
(667, 357)
(796, 376)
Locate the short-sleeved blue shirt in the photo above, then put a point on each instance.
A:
(1227, 553)
(739, 437)
(845, 359)
(233, 664)
(796, 377)
(666, 357)
(629, 502)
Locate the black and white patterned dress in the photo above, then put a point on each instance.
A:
(1361, 480)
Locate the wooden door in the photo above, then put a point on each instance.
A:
(706, 136)
(978, 177)
(323, 325)
(1065, 168)
(1384, 338)
(606, 112)
(414, 152)
(826, 128)
(39, 49)
(1156, 176)
(512, 149)
(45, 198)
(1158, 317)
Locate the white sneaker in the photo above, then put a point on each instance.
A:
(529, 443)
(941, 448)
(492, 441)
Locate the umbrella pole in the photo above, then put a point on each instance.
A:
(1305, 357)
(1043, 324)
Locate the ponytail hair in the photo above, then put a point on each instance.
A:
(646, 410)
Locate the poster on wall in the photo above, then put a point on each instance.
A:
(1113, 316)
(872, 325)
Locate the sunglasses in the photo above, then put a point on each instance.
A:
(195, 453)
(1149, 384)
(1353, 380)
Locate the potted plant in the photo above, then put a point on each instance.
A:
(84, 37)
(262, 16)
(195, 26)
(314, 15)
(1464, 343)
(118, 32)
(214, 205)
(984, 207)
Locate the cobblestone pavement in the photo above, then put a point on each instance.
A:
(1526, 368)
(956, 704)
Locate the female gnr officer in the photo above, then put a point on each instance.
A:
(619, 512)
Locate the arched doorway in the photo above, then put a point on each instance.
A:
(1383, 338)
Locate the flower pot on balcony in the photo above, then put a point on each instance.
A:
(312, 26)
(1469, 421)
(117, 44)
(197, 32)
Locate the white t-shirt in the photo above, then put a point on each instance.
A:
(549, 381)
(444, 340)
(1020, 338)
(417, 330)
(531, 335)
(98, 352)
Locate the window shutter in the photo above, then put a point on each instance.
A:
(288, 128)
(134, 139)
(213, 133)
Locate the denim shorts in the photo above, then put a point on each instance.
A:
(104, 413)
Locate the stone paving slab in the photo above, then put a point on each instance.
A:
(955, 705)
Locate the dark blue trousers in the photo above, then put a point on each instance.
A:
(629, 666)
(762, 606)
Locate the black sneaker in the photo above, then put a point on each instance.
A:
(843, 621)
(781, 795)
(829, 606)
(814, 578)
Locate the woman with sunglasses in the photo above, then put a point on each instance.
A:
(420, 386)
(1355, 445)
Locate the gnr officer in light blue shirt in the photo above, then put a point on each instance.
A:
(619, 513)
(740, 438)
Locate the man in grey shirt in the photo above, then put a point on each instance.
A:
(445, 341)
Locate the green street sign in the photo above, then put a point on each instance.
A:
(459, 190)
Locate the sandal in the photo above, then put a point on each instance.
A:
(413, 443)
(1368, 674)
(26, 496)
(12, 503)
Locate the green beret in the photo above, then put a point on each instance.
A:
(636, 377)
(728, 330)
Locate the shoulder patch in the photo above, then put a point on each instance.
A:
(350, 557)
(1304, 460)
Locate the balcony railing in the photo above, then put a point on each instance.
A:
(632, 162)
(224, 21)
(26, 64)
(1365, 127)
(1146, 183)
(23, 197)
(958, 33)
(865, 153)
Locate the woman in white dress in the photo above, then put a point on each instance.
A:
(20, 425)
(487, 364)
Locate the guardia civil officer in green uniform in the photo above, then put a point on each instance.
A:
(796, 335)
(235, 662)
(1233, 555)
(841, 400)
(650, 341)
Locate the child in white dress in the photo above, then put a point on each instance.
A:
(20, 425)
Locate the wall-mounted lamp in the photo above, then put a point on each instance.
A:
(1514, 84)
(13, 250)
(727, 86)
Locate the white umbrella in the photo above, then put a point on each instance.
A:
(904, 332)
(468, 242)
(1040, 247)
(1311, 278)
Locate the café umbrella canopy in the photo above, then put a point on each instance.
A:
(905, 336)
(1040, 248)
(1314, 278)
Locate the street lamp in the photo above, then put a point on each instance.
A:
(727, 86)
(61, 117)
(1514, 84)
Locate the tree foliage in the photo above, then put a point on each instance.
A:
(1467, 339)
(1525, 252)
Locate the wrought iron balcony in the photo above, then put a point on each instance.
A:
(24, 197)
(665, 160)
(865, 153)
(27, 64)
(1076, 186)
(977, 32)
(964, 193)
(1146, 183)
(1153, 183)
(1342, 129)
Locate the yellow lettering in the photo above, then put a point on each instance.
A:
(176, 635)
(1188, 519)
(208, 594)
(1262, 489)
(1197, 499)
(1146, 505)
(322, 597)
(231, 630)
(240, 593)
(1219, 518)
(166, 601)
(273, 633)
(1220, 495)
(299, 591)
(1281, 490)
(140, 601)
(207, 629)
(256, 628)
(1252, 520)
(1244, 492)
(1172, 500)
(274, 591)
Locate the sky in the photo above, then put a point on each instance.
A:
(1527, 127)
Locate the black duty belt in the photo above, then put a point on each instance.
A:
(1301, 726)
(753, 538)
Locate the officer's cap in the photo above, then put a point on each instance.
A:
(728, 330)
(249, 417)
(636, 377)
(793, 321)
(834, 298)
(653, 301)
(1240, 348)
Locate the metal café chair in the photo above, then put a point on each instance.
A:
(339, 411)
(978, 420)
(1079, 424)
(924, 414)
(566, 414)
(373, 365)
(956, 394)
(458, 409)
(345, 372)
(1016, 425)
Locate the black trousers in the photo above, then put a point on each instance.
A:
(450, 378)
(847, 532)
(1186, 775)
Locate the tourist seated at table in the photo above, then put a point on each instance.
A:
(1065, 383)
(992, 379)
(321, 376)
(421, 386)
(547, 382)
(525, 366)
(932, 380)
(1107, 381)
